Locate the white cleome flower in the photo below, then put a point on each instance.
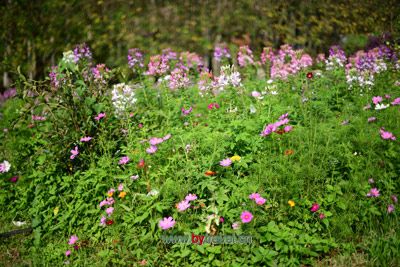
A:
(5, 166)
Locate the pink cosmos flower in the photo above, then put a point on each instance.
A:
(394, 198)
(100, 116)
(284, 116)
(396, 101)
(371, 181)
(235, 225)
(183, 205)
(165, 138)
(38, 118)
(152, 149)
(387, 96)
(109, 211)
(124, 160)
(74, 152)
(322, 216)
(255, 94)
(103, 221)
(246, 216)
(72, 240)
(186, 112)
(371, 119)
(368, 106)
(374, 192)
(191, 197)
(288, 128)
(120, 187)
(315, 207)
(225, 162)
(155, 141)
(67, 253)
(166, 223)
(254, 195)
(135, 177)
(386, 135)
(86, 139)
(260, 201)
(377, 99)
(390, 208)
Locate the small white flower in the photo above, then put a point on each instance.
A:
(18, 223)
(153, 192)
(274, 92)
(252, 109)
(381, 106)
(5, 166)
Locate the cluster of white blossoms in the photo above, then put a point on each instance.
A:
(228, 76)
(123, 98)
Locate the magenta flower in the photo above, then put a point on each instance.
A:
(288, 128)
(191, 197)
(74, 152)
(254, 195)
(377, 99)
(109, 211)
(374, 192)
(72, 240)
(152, 150)
(390, 208)
(315, 207)
(396, 101)
(86, 139)
(155, 141)
(225, 162)
(246, 216)
(386, 135)
(213, 105)
(100, 116)
(67, 253)
(166, 223)
(371, 119)
(183, 205)
(284, 116)
(124, 160)
(186, 112)
(260, 201)
(14, 179)
(322, 216)
(120, 187)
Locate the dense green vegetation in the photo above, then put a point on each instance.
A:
(101, 158)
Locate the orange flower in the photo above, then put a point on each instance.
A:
(122, 194)
(288, 152)
(210, 173)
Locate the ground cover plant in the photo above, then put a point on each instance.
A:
(133, 165)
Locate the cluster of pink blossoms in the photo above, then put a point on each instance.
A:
(154, 141)
(179, 79)
(185, 204)
(158, 65)
(273, 127)
(258, 199)
(245, 56)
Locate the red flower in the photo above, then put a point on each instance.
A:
(141, 164)
(281, 131)
(109, 222)
(309, 75)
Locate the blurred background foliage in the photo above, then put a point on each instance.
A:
(35, 33)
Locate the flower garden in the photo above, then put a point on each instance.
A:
(300, 153)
